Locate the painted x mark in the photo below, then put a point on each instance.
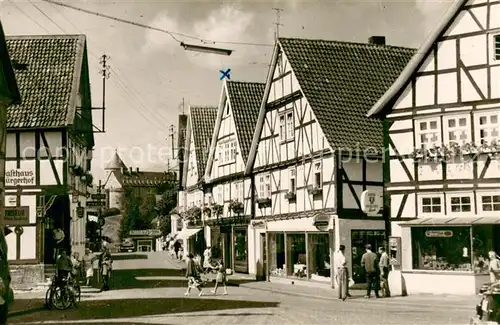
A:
(225, 74)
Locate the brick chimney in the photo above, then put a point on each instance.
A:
(378, 40)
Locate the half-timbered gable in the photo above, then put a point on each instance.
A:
(48, 146)
(442, 132)
(313, 108)
(236, 118)
(199, 131)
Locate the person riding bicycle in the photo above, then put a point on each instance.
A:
(63, 267)
(341, 266)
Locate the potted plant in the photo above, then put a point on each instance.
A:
(77, 170)
(315, 190)
(207, 212)
(236, 206)
(217, 210)
(88, 179)
(193, 215)
(290, 195)
(264, 202)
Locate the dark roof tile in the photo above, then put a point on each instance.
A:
(342, 81)
(245, 99)
(46, 78)
(202, 121)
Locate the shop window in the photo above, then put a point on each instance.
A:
(277, 254)
(319, 257)
(296, 256)
(359, 238)
(460, 204)
(431, 205)
(490, 202)
(488, 127)
(444, 249)
(457, 129)
(428, 133)
(240, 248)
(484, 239)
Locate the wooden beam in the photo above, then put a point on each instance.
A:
(351, 187)
(51, 159)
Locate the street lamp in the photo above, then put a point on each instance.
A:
(206, 49)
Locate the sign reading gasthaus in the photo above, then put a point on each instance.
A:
(15, 177)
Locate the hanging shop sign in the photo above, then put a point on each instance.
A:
(321, 222)
(20, 177)
(145, 232)
(257, 223)
(439, 233)
(371, 202)
(16, 216)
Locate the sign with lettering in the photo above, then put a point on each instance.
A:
(98, 196)
(20, 177)
(16, 216)
(371, 202)
(96, 203)
(145, 232)
(322, 222)
(439, 233)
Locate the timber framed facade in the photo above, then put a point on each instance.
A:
(49, 146)
(310, 167)
(442, 129)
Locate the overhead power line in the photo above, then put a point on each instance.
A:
(174, 35)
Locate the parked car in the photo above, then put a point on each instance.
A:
(6, 293)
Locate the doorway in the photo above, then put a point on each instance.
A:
(262, 264)
(227, 248)
(359, 238)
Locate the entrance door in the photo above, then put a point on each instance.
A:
(226, 242)
(359, 238)
(240, 242)
(263, 272)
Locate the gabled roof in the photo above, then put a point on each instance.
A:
(48, 71)
(7, 78)
(415, 63)
(201, 124)
(116, 162)
(245, 99)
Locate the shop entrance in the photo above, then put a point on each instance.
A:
(226, 243)
(240, 243)
(144, 246)
(360, 238)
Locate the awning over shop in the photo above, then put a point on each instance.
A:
(456, 221)
(186, 233)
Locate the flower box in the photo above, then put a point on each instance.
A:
(236, 206)
(207, 212)
(290, 196)
(264, 202)
(315, 191)
(77, 170)
(217, 210)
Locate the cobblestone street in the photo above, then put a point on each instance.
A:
(154, 300)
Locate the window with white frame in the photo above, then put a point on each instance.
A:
(233, 150)
(496, 46)
(457, 129)
(318, 178)
(226, 152)
(490, 202)
(290, 125)
(265, 186)
(428, 133)
(460, 204)
(488, 127)
(292, 187)
(227, 196)
(431, 204)
(287, 126)
(238, 191)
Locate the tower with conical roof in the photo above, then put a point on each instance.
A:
(114, 181)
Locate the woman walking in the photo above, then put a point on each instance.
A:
(221, 278)
(193, 276)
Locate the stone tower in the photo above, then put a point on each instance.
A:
(114, 181)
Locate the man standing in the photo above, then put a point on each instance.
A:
(341, 266)
(105, 263)
(384, 272)
(369, 262)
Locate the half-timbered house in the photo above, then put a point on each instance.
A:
(192, 199)
(442, 127)
(48, 151)
(232, 192)
(314, 153)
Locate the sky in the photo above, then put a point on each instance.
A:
(151, 74)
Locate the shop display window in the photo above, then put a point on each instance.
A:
(484, 239)
(441, 248)
(296, 256)
(277, 254)
(240, 246)
(319, 265)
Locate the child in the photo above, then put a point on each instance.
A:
(221, 278)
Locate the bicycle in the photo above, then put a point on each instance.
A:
(62, 295)
(343, 282)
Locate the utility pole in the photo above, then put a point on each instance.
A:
(277, 23)
(105, 73)
(171, 135)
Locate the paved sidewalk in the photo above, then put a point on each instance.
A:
(358, 295)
